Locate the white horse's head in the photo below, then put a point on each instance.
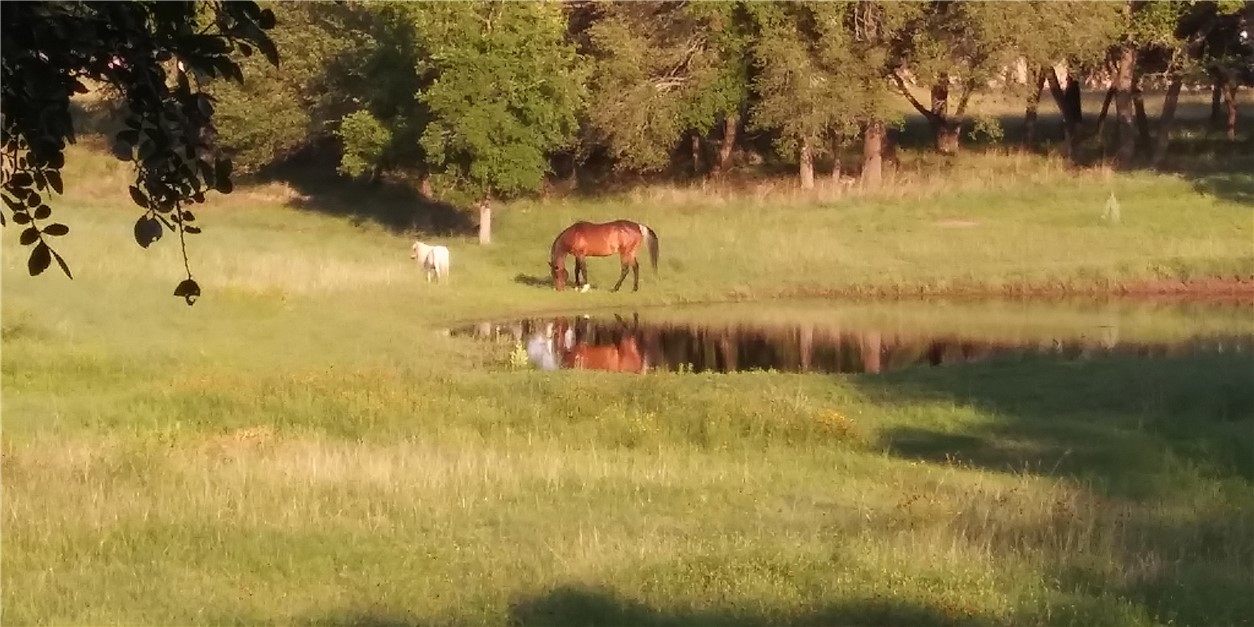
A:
(418, 248)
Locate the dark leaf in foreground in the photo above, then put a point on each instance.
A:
(61, 262)
(40, 257)
(147, 231)
(189, 290)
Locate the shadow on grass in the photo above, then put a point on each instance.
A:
(585, 606)
(531, 280)
(1116, 423)
(395, 205)
(362, 619)
(1150, 440)
(1234, 186)
(570, 605)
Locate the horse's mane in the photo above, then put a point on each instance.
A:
(554, 249)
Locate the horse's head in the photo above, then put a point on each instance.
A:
(414, 249)
(558, 272)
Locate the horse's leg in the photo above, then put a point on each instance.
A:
(635, 275)
(622, 276)
(581, 269)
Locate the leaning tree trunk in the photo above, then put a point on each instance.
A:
(1029, 116)
(1069, 106)
(1166, 120)
(1101, 118)
(873, 153)
(1124, 108)
(806, 163)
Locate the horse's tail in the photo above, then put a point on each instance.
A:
(650, 237)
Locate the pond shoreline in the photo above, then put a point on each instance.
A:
(1211, 288)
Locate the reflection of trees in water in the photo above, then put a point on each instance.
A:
(627, 344)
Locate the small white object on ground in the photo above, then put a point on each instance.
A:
(585, 288)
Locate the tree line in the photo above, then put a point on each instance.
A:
(487, 98)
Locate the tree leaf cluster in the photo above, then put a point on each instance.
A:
(155, 56)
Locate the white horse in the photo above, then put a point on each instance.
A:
(433, 259)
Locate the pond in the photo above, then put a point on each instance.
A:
(861, 337)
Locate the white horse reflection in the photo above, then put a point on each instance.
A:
(545, 346)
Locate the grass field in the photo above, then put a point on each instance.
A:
(305, 446)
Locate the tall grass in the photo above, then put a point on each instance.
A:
(306, 445)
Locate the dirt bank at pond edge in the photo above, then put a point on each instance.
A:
(1236, 288)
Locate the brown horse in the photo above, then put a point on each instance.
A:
(624, 355)
(586, 239)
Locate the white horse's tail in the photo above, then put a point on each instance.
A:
(441, 255)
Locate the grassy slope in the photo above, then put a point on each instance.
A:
(303, 446)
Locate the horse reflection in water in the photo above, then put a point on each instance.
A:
(579, 345)
(619, 345)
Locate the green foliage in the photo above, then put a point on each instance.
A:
(505, 90)
(365, 139)
(661, 71)
(822, 67)
(987, 126)
(135, 48)
(279, 111)
(797, 53)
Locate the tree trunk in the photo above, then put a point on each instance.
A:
(1166, 120)
(807, 347)
(806, 165)
(948, 138)
(1101, 118)
(694, 142)
(1142, 120)
(424, 187)
(1029, 117)
(940, 97)
(873, 153)
(485, 223)
(1075, 104)
(1070, 120)
(837, 166)
(1216, 101)
(728, 346)
(1230, 95)
(1124, 107)
(947, 132)
(730, 126)
(871, 345)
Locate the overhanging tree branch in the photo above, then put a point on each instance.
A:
(905, 91)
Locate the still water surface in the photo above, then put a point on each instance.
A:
(829, 337)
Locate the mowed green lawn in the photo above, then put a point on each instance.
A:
(305, 445)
